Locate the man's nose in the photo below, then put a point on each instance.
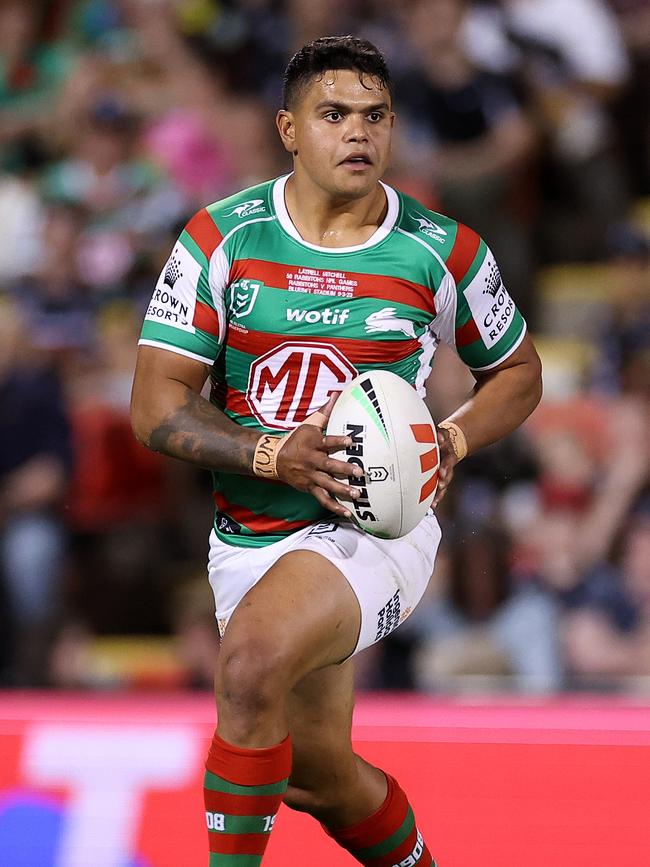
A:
(356, 129)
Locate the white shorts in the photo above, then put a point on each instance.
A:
(389, 577)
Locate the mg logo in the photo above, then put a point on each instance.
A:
(292, 381)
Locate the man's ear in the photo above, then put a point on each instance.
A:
(287, 129)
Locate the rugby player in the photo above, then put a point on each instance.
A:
(280, 295)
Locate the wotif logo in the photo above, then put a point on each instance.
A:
(246, 209)
(326, 316)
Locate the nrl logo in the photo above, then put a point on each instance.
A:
(246, 209)
(244, 296)
(429, 228)
(493, 280)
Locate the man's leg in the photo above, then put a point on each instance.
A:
(301, 616)
(361, 807)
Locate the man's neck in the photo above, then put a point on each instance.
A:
(328, 222)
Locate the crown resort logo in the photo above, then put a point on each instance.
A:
(172, 272)
(493, 280)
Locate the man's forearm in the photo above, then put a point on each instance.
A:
(190, 428)
(499, 404)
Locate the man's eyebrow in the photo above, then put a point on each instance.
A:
(344, 108)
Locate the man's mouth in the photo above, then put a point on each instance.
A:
(357, 159)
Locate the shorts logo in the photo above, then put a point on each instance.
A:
(244, 295)
(389, 617)
(292, 381)
(247, 209)
(323, 529)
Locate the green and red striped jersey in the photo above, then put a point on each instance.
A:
(284, 323)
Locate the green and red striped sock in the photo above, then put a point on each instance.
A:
(388, 838)
(243, 791)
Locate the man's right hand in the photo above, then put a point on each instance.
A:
(304, 462)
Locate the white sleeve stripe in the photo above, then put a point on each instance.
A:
(177, 350)
(515, 345)
(219, 272)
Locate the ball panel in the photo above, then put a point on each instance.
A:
(394, 442)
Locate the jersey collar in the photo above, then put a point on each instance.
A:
(377, 236)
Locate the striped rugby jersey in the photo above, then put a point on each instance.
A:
(283, 323)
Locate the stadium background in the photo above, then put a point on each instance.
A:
(527, 119)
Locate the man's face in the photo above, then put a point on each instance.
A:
(340, 131)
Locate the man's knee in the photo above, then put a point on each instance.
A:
(253, 673)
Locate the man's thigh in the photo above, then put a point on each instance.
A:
(387, 578)
(302, 615)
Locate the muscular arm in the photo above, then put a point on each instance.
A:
(502, 399)
(168, 415)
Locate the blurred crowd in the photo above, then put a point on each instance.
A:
(527, 119)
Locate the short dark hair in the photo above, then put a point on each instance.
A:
(332, 52)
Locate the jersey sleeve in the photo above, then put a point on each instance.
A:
(478, 317)
(186, 313)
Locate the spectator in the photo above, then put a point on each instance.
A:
(53, 296)
(485, 623)
(622, 361)
(31, 71)
(35, 461)
(126, 199)
(481, 140)
(570, 81)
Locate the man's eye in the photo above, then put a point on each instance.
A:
(333, 115)
(375, 116)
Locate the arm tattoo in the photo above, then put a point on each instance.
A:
(200, 433)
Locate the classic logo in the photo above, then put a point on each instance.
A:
(386, 319)
(244, 296)
(293, 380)
(429, 228)
(247, 209)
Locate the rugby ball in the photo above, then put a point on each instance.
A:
(394, 442)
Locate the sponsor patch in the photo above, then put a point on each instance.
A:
(429, 228)
(389, 617)
(174, 297)
(491, 306)
(247, 209)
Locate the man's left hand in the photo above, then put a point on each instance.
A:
(448, 461)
